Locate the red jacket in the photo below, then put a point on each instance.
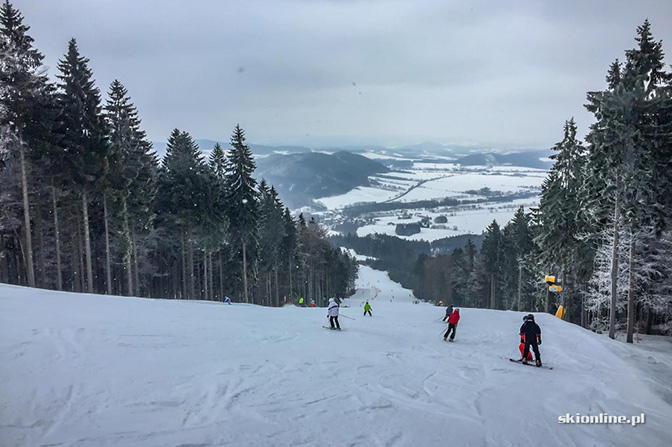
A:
(454, 317)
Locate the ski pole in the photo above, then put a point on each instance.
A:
(443, 330)
(347, 316)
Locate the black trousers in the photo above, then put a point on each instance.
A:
(332, 320)
(451, 327)
(367, 311)
(535, 347)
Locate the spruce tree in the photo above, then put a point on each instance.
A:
(626, 146)
(132, 170)
(24, 103)
(492, 252)
(182, 197)
(242, 202)
(84, 135)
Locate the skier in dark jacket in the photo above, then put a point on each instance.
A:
(449, 310)
(532, 335)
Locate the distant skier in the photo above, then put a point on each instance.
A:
(449, 310)
(367, 308)
(332, 314)
(227, 300)
(452, 324)
(532, 336)
(301, 301)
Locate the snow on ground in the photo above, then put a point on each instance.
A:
(427, 181)
(379, 156)
(357, 195)
(88, 370)
(358, 257)
(458, 184)
(465, 219)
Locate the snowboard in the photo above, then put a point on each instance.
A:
(530, 364)
(332, 328)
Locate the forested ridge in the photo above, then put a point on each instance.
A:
(86, 205)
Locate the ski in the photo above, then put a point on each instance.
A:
(530, 364)
(332, 328)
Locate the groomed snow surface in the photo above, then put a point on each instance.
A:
(88, 370)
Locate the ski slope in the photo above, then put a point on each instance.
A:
(89, 370)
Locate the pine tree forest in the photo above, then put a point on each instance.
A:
(87, 206)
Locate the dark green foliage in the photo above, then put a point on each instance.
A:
(84, 142)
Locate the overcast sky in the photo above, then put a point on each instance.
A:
(314, 72)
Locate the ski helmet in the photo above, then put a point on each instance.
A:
(530, 317)
(524, 317)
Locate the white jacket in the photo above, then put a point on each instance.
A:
(332, 310)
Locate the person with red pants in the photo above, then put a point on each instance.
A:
(452, 324)
(521, 346)
(532, 336)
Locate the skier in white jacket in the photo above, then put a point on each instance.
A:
(332, 314)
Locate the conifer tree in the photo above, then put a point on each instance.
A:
(24, 103)
(626, 148)
(242, 202)
(492, 251)
(131, 170)
(182, 196)
(84, 135)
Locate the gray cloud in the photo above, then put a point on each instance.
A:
(501, 73)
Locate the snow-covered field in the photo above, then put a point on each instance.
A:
(357, 195)
(87, 370)
(456, 185)
(461, 220)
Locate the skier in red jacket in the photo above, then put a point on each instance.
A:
(452, 324)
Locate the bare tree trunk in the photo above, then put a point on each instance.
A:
(184, 264)
(547, 307)
(583, 308)
(221, 277)
(191, 272)
(205, 275)
(80, 255)
(520, 283)
(57, 237)
(212, 276)
(128, 247)
(493, 304)
(26, 217)
(245, 273)
(136, 263)
(108, 264)
(289, 268)
(41, 263)
(277, 288)
(87, 242)
(614, 272)
(631, 291)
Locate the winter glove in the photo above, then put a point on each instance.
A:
(539, 341)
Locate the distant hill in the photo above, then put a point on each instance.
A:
(257, 149)
(302, 177)
(530, 159)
